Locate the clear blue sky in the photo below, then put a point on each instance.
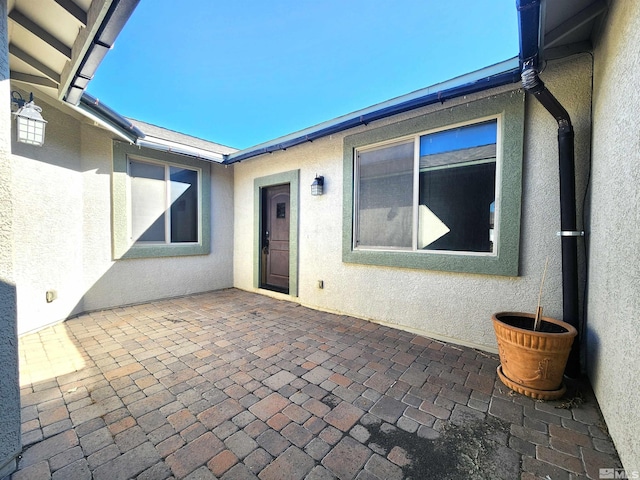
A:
(241, 72)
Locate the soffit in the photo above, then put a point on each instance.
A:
(569, 26)
(56, 45)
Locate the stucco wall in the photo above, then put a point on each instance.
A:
(450, 306)
(9, 384)
(109, 283)
(47, 190)
(62, 216)
(614, 231)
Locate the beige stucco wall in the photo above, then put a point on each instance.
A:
(62, 217)
(134, 280)
(47, 190)
(450, 306)
(614, 232)
(9, 386)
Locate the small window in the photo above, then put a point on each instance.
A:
(160, 204)
(164, 203)
(441, 199)
(439, 191)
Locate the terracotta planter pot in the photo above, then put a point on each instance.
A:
(533, 363)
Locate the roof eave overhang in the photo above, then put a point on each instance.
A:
(504, 73)
(108, 118)
(179, 149)
(571, 35)
(105, 20)
(530, 31)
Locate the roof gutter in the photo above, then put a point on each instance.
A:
(529, 15)
(503, 78)
(180, 149)
(111, 118)
(115, 19)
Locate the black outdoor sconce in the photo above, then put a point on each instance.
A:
(317, 185)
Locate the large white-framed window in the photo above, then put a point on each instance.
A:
(439, 191)
(432, 192)
(164, 202)
(161, 204)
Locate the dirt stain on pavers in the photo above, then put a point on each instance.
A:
(474, 449)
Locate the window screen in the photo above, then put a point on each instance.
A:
(385, 197)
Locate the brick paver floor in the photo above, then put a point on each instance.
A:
(234, 385)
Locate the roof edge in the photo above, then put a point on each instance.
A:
(530, 32)
(181, 149)
(503, 73)
(109, 28)
(109, 117)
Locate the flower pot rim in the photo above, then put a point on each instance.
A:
(571, 330)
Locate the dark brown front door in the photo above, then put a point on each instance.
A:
(275, 238)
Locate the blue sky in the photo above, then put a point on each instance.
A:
(243, 72)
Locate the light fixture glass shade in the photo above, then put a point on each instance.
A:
(317, 186)
(30, 124)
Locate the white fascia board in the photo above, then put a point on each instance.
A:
(179, 148)
(80, 108)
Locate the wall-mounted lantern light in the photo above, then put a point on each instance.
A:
(29, 122)
(317, 185)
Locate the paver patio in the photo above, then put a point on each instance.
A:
(235, 385)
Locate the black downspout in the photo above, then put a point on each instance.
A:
(569, 236)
